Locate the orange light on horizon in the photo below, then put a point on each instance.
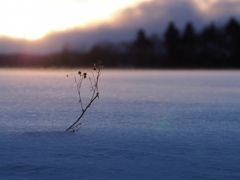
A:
(205, 5)
(211, 7)
(33, 19)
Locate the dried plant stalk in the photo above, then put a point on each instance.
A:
(93, 77)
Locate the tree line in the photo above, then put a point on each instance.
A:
(212, 47)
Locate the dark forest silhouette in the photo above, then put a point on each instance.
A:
(213, 47)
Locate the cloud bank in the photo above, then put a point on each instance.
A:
(153, 16)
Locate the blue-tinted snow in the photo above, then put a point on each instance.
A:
(146, 125)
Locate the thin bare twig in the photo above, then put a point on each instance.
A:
(82, 113)
(93, 87)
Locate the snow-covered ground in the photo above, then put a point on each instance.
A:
(146, 125)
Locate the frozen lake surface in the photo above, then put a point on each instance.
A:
(146, 125)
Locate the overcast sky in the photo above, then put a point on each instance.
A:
(43, 26)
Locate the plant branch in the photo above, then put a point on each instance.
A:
(93, 87)
(97, 95)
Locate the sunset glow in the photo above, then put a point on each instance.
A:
(32, 19)
(208, 5)
(205, 5)
(44, 26)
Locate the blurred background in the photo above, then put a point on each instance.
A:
(121, 33)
